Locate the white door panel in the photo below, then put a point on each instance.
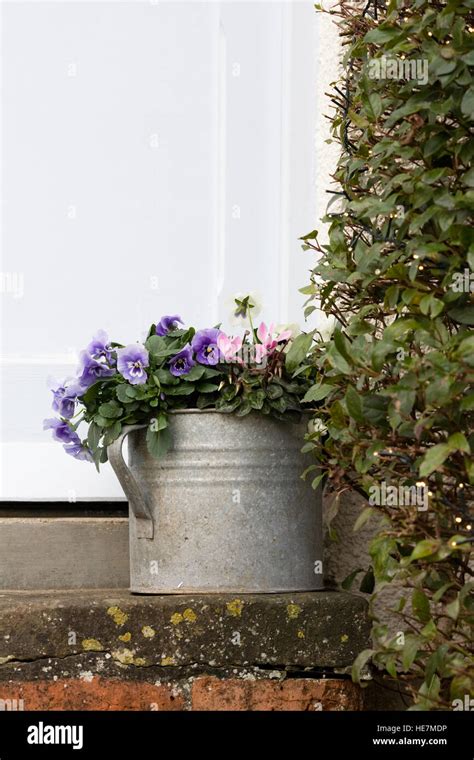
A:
(156, 158)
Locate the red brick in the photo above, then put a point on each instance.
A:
(96, 694)
(210, 693)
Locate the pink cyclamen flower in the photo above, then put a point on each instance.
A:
(229, 347)
(265, 336)
(260, 352)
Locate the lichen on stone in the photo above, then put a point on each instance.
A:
(127, 657)
(293, 611)
(235, 607)
(92, 645)
(119, 617)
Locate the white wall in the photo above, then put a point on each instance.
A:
(156, 157)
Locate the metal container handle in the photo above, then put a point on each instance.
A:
(135, 495)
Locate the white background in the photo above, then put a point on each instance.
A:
(157, 157)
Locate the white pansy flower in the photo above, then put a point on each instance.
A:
(316, 426)
(237, 315)
(325, 325)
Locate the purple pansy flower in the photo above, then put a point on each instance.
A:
(64, 397)
(90, 370)
(166, 324)
(182, 362)
(131, 363)
(79, 451)
(205, 345)
(100, 349)
(62, 432)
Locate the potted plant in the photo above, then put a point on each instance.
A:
(216, 426)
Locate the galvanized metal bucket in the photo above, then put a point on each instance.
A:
(224, 511)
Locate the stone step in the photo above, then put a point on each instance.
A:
(108, 649)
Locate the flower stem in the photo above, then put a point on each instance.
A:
(251, 324)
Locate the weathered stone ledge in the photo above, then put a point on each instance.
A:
(323, 629)
(107, 649)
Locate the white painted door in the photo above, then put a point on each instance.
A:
(157, 157)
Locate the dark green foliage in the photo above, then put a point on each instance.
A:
(397, 377)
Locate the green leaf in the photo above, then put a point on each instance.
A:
(468, 177)
(160, 422)
(376, 105)
(420, 605)
(311, 468)
(91, 393)
(463, 314)
(431, 305)
(460, 686)
(433, 175)
(382, 36)
(204, 401)
(111, 410)
(467, 103)
(425, 548)
(367, 583)
(375, 409)
(256, 398)
(183, 389)
(209, 373)
(243, 409)
(438, 595)
(452, 609)
(158, 441)
(207, 387)
(164, 377)
(342, 346)
(360, 663)
(112, 433)
(161, 347)
(318, 392)
(354, 404)
(458, 442)
(298, 351)
(121, 393)
(430, 691)
(410, 650)
(338, 417)
(434, 458)
(349, 579)
(434, 144)
(274, 391)
(195, 373)
(227, 407)
(364, 516)
(94, 435)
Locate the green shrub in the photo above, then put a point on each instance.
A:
(396, 381)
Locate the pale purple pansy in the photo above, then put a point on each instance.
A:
(181, 363)
(205, 346)
(131, 363)
(168, 324)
